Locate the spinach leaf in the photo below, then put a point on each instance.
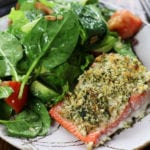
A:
(64, 77)
(104, 45)
(26, 5)
(91, 20)
(18, 19)
(41, 110)
(106, 12)
(59, 76)
(26, 124)
(124, 48)
(6, 110)
(32, 42)
(5, 91)
(63, 46)
(29, 10)
(31, 122)
(48, 3)
(58, 48)
(88, 60)
(27, 27)
(86, 2)
(49, 48)
(11, 51)
(65, 89)
(26, 14)
(61, 79)
(91, 1)
(3, 69)
(66, 73)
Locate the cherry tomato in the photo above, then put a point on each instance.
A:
(125, 23)
(13, 100)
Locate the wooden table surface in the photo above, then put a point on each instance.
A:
(132, 5)
(5, 146)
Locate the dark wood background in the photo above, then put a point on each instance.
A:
(133, 5)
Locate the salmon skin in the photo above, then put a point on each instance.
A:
(114, 113)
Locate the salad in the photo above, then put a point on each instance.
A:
(47, 46)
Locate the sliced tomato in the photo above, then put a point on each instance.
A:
(13, 100)
(125, 23)
(94, 136)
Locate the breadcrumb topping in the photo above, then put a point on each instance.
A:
(103, 91)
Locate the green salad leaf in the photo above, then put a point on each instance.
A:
(124, 48)
(5, 91)
(31, 122)
(50, 4)
(41, 110)
(26, 5)
(11, 51)
(57, 48)
(26, 124)
(105, 45)
(49, 48)
(91, 20)
(6, 110)
(18, 19)
(27, 13)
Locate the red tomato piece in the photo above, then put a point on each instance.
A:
(13, 100)
(125, 23)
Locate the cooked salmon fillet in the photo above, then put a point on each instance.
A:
(108, 95)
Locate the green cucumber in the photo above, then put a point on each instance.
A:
(44, 93)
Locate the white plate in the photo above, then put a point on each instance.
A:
(58, 138)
